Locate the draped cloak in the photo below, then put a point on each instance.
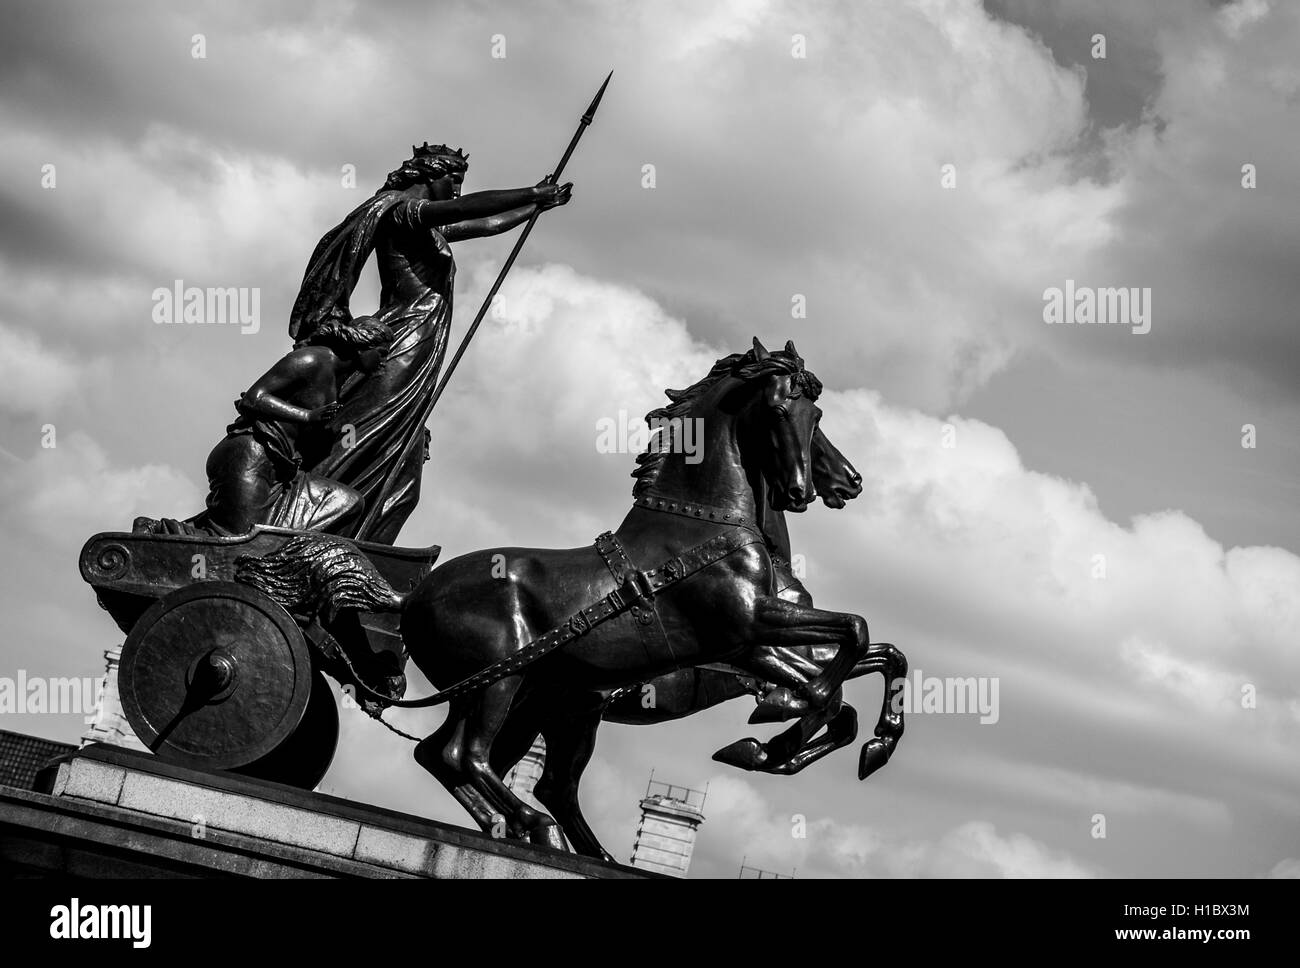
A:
(382, 455)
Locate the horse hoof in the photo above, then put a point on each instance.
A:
(788, 768)
(548, 835)
(875, 754)
(747, 754)
(777, 706)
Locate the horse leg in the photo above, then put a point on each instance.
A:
(441, 754)
(889, 728)
(752, 754)
(570, 740)
(840, 732)
(881, 657)
(490, 714)
(781, 665)
(782, 623)
(515, 739)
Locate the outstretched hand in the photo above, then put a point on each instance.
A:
(552, 196)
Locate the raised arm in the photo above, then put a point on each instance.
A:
(543, 196)
(478, 228)
(432, 214)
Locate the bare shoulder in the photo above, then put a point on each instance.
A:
(307, 358)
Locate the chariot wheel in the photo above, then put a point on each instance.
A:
(217, 676)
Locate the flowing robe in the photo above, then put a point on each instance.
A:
(382, 449)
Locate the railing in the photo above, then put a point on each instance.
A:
(748, 873)
(680, 794)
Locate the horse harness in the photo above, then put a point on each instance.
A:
(635, 595)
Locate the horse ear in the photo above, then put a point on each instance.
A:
(789, 348)
(760, 351)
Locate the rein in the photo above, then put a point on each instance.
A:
(636, 592)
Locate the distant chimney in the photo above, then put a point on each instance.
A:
(525, 774)
(665, 837)
(109, 724)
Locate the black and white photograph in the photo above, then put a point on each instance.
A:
(651, 440)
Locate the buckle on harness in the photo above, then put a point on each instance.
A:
(636, 590)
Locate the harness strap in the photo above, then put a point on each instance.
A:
(637, 588)
(645, 617)
(654, 501)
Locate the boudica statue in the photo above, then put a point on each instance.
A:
(234, 615)
(275, 466)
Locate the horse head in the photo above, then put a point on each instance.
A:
(753, 417)
(784, 417)
(837, 481)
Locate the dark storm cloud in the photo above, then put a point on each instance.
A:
(1121, 87)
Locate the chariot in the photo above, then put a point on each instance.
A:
(215, 675)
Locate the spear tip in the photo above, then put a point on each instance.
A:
(595, 102)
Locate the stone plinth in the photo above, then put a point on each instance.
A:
(112, 812)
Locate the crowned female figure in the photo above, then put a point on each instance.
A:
(409, 224)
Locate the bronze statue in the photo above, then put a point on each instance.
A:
(693, 595)
(527, 653)
(409, 224)
(256, 474)
(264, 470)
(695, 688)
(279, 464)
(692, 689)
(301, 460)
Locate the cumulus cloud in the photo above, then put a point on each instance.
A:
(33, 377)
(742, 823)
(970, 561)
(65, 493)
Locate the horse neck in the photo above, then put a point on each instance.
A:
(724, 477)
(772, 524)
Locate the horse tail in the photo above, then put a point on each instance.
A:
(319, 574)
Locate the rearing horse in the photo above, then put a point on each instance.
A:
(692, 689)
(695, 688)
(686, 579)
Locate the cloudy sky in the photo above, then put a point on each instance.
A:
(1001, 455)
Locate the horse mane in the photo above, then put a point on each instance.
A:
(668, 420)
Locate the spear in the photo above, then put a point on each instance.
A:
(552, 178)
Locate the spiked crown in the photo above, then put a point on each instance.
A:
(427, 150)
